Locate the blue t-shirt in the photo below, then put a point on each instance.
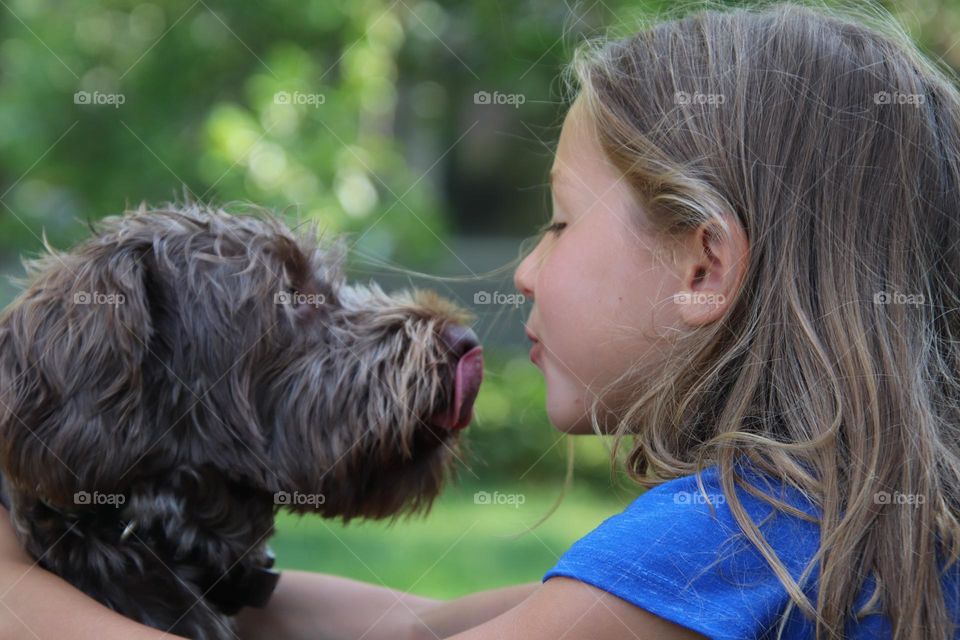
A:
(668, 555)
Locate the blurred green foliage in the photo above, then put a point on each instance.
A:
(123, 101)
(359, 113)
(340, 110)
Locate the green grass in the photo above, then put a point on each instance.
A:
(459, 548)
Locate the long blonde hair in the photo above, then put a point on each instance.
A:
(836, 145)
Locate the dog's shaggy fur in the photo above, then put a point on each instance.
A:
(165, 381)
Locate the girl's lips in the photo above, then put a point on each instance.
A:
(535, 353)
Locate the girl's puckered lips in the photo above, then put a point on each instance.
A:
(535, 349)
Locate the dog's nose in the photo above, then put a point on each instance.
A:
(459, 339)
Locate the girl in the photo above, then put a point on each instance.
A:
(752, 272)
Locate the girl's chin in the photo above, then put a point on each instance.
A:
(578, 429)
(565, 403)
(567, 414)
(569, 418)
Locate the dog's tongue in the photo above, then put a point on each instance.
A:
(466, 385)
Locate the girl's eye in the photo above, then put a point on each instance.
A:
(554, 228)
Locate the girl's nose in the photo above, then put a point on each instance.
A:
(523, 277)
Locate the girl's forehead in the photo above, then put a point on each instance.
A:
(572, 123)
(575, 147)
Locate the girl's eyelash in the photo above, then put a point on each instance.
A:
(553, 227)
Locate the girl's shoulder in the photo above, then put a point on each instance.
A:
(677, 551)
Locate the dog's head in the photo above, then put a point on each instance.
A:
(189, 338)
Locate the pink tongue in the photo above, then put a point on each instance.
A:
(466, 385)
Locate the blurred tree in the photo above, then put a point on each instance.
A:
(366, 115)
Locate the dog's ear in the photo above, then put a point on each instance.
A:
(72, 346)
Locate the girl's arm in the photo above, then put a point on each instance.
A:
(573, 610)
(323, 607)
(444, 619)
(305, 605)
(35, 603)
(316, 606)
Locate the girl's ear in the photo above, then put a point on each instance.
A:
(712, 266)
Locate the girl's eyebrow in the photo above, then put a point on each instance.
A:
(557, 178)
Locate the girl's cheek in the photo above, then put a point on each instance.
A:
(556, 297)
(568, 324)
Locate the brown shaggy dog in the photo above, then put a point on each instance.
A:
(170, 383)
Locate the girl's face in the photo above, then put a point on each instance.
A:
(600, 298)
